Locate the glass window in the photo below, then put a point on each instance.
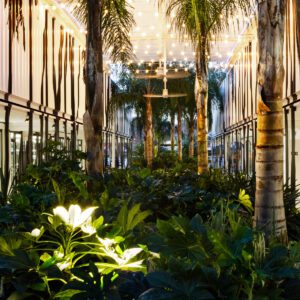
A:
(297, 144)
(286, 138)
(79, 144)
(36, 147)
(16, 151)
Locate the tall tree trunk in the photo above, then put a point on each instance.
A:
(191, 138)
(201, 103)
(269, 206)
(179, 133)
(93, 117)
(172, 132)
(297, 7)
(149, 133)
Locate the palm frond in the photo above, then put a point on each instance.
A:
(116, 25)
(117, 22)
(200, 19)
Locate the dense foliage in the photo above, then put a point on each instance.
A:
(165, 233)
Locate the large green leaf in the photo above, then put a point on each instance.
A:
(67, 294)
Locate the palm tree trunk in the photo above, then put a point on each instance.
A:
(269, 206)
(93, 117)
(297, 7)
(149, 133)
(201, 102)
(172, 132)
(191, 138)
(179, 133)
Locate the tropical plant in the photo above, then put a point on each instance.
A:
(200, 20)
(269, 206)
(53, 258)
(220, 258)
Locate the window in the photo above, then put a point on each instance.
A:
(36, 147)
(16, 150)
(297, 144)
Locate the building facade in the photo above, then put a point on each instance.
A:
(233, 136)
(42, 91)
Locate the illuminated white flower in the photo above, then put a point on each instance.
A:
(62, 213)
(64, 265)
(36, 232)
(88, 227)
(107, 243)
(74, 217)
(120, 258)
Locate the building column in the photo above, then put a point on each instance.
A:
(293, 148)
(29, 141)
(41, 144)
(6, 142)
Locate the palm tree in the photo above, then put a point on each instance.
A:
(215, 78)
(269, 206)
(297, 7)
(172, 109)
(179, 131)
(199, 19)
(190, 110)
(132, 95)
(108, 25)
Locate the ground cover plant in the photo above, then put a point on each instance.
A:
(165, 233)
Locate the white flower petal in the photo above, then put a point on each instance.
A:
(36, 232)
(63, 265)
(107, 243)
(130, 253)
(74, 215)
(86, 214)
(88, 227)
(62, 213)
